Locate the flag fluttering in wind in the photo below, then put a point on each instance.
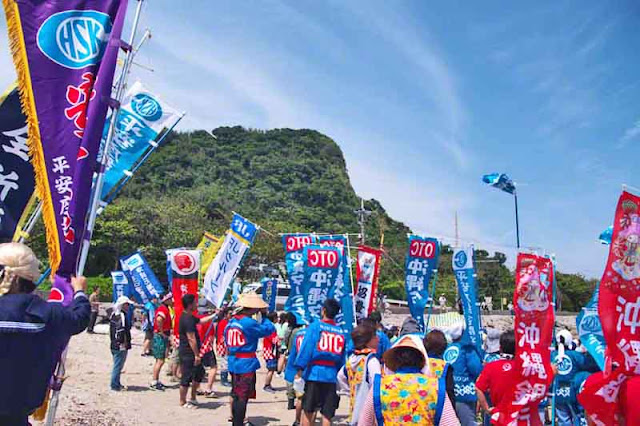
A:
(17, 184)
(606, 235)
(421, 262)
(65, 55)
(500, 181)
(209, 246)
(367, 271)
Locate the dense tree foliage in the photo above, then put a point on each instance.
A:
(284, 180)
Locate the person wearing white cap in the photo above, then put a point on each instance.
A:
(120, 333)
(33, 332)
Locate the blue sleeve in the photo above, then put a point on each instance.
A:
(474, 363)
(71, 320)
(258, 330)
(385, 343)
(307, 347)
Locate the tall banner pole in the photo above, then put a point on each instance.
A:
(353, 290)
(555, 379)
(433, 295)
(60, 370)
(31, 223)
(515, 197)
(97, 190)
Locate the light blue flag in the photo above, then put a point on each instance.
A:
(422, 260)
(590, 329)
(500, 181)
(293, 245)
(141, 118)
(342, 291)
(121, 285)
(606, 236)
(145, 284)
(269, 292)
(464, 270)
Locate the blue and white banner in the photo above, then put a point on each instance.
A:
(590, 329)
(269, 292)
(321, 274)
(465, 273)
(422, 260)
(141, 118)
(228, 260)
(342, 291)
(145, 284)
(500, 181)
(121, 285)
(293, 246)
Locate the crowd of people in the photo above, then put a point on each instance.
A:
(384, 376)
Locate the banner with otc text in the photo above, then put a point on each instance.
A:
(144, 282)
(464, 269)
(65, 55)
(185, 270)
(367, 270)
(342, 291)
(17, 183)
(226, 264)
(619, 312)
(121, 285)
(321, 273)
(421, 262)
(141, 117)
(534, 322)
(293, 247)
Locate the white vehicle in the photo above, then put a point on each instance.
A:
(282, 292)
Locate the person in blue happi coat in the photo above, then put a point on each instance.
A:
(321, 356)
(241, 336)
(463, 356)
(33, 332)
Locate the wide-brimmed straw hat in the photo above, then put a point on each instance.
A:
(407, 341)
(251, 301)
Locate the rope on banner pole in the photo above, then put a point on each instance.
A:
(60, 370)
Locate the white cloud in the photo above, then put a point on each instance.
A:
(630, 134)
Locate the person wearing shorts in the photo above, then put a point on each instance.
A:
(241, 338)
(189, 351)
(321, 356)
(208, 358)
(160, 347)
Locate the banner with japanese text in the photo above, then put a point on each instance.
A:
(321, 273)
(464, 270)
(534, 322)
(65, 55)
(144, 282)
(227, 262)
(342, 291)
(17, 181)
(269, 292)
(209, 246)
(121, 285)
(293, 246)
(367, 270)
(421, 262)
(619, 312)
(590, 329)
(141, 117)
(185, 270)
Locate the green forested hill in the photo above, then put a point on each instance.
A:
(284, 180)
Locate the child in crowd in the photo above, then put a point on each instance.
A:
(270, 346)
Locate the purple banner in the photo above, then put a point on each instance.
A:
(65, 55)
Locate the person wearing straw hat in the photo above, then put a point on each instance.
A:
(34, 330)
(120, 334)
(407, 393)
(241, 336)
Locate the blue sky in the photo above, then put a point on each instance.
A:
(424, 99)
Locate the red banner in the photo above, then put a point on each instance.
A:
(185, 265)
(367, 272)
(532, 301)
(619, 309)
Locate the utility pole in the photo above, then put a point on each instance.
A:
(362, 214)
